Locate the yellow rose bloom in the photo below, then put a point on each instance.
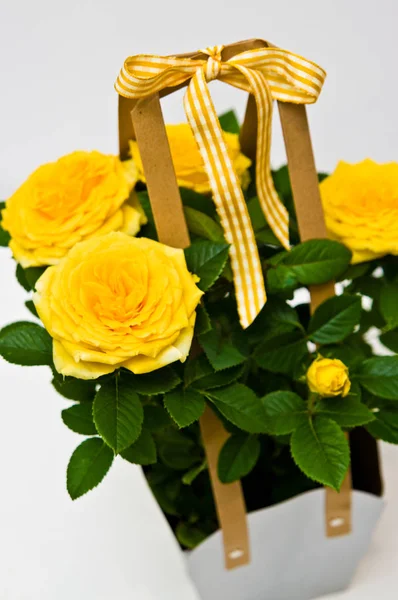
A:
(187, 160)
(361, 208)
(81, 195)
(328, 377)
(118, 301)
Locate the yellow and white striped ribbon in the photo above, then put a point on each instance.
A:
(268, 74)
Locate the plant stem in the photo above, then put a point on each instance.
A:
(312, 399)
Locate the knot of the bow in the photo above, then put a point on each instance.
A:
(213, 64)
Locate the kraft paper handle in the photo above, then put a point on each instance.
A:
(149, 131)
(230, 505)
(311, 223)
(338, 509)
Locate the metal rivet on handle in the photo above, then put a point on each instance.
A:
(235, 554)
(336, 522)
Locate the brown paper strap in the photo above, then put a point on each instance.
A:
(230, 504)
(311, 223)
(150, 133)
(161, 180)
(338, 508)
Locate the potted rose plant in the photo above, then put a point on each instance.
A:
(120, 311)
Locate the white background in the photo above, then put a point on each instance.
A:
(58, 62)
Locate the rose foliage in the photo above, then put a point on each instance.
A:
(287, 409)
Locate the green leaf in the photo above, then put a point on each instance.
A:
(335, 319)
(151, 384)
(371, 318)
(221, 352)
(32, 274)
(266, 236)
(262, 230)
(20, 275)
(281, 279)
(237, 457)
(285, 412)
(256, 214)
(87, 467)
(145, 203)
(382, 429)
(317, 261)
(348, 355)
(207, 260)
(219, 379)
(79, 418)
(148, 230)
(193, 473)
(355, 392)
(356, 342)
(387, 411)
(275, 318)
(390, 339)
(321, 451)
(282, 181)
(347, 412)
(118, 413)
(202, 225)
(189, 536)
(201, 375)
(178, 451)
(283, 353)
(156, 418)
(322, 176)
(185, 406)
(203, 323)
(31, 308)
(167, 494)
(143, 451)
(200, 202)
(4, 235)
(274, 383)
(25, 343)
(355, 271)
(367, 285)
(197, 368)
(80, 390)
(229, 122)
(379, 375)
(27, 277)
(240, 405)
(389, 304)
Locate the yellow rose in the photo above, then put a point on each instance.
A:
(188, 162)
(81, 195)
(328, 377)
(361, 208)
(118, 301)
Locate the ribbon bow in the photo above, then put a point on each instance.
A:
(268, 73)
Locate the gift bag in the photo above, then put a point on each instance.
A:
(311, 544)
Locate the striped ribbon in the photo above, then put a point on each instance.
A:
(268, 74)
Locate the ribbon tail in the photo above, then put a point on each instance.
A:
(271, 205)
(228, 198)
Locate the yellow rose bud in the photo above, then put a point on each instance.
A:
(328, 377)
(361, 209)
(81, 195)
(187, 160)
(118, 301)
